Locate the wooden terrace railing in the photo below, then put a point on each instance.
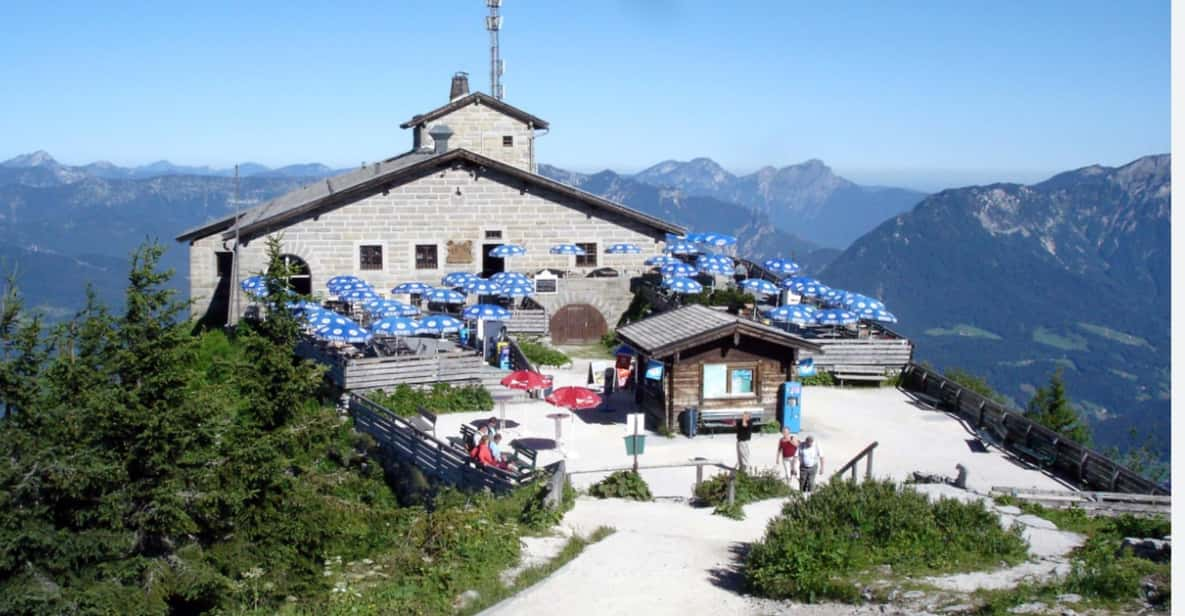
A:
(865, 454)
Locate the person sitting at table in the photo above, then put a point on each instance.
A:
(492, 426)
(481, 454)
(502, 457)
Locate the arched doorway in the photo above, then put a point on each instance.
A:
(300, 279)
(577, 324)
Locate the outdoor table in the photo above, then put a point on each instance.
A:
(501, 400)
(559, 424)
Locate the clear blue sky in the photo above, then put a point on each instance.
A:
(914, 93)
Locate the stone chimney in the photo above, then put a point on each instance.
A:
(460, 86)
(440, 135)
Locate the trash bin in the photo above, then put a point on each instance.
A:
(635, 444)
(689, 421)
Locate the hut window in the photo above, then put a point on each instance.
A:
(725, 381)
(370, 257)
(507, 141)
(589, 258)
(425, 256)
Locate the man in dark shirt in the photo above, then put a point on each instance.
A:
(744, 433)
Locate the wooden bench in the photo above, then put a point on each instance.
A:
(858, 373)
(991, 434)
(524, 458)
(1042, 453)
(727, 418)
(425, 421)
(468, 438)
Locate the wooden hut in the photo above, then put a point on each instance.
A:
(718, 362)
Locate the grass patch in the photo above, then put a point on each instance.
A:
(587, 351)
(542, 355)
(622, 484)
(963, 329)
(1115, 335)
(750, 488)
(441, 398)
(1069, 342)
(818, 379)
(818, 548)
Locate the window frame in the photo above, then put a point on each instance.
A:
(508, 141)
(382, 263)
(415, 256)
(588, 254)
(729, 369)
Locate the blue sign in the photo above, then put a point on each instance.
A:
(806, 367)
(654, 370)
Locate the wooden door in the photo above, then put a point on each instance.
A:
(577, 324)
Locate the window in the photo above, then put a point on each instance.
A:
(545, 285)
(370, 257)
(724, 381)
(223, 263)
(492, 234)
(589, 258)
(426, 256)
(508, 141)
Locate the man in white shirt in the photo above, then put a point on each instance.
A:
(810, 464)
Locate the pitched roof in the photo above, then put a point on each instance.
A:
(479, 98)
(361, 183)
(673, 331)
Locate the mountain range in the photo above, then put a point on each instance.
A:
(40, 169)
(1015, 281)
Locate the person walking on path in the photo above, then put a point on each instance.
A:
(788, 454)
(744, 433)
(810, 464)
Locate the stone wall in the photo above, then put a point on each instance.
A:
(458, 205)
(480, 129)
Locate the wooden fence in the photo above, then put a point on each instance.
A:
(1080, 466)
(525, 321)
(366, 373)
(403, 442)
(888, 355)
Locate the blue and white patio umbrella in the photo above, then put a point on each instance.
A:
(395, 326)
(301, 307)
(715, 267)
(862, 302)
(507, 250)
(672, 270)
(444, 296)
(834, 297)
(691, 237)
(781, 267)
(347, 333)
(682, 248)
(719, 240)
(438, 324)
(311, 318)
(679, 284)
(517, 289)
(623, 249)
(723, 261)
(343, 279)
(567, 249)
(345, 287)
(410, 288)
(359, 295)
(255, 286)
(804, 286)
(758, 286)
(835, 316)
(488, 312)
(456, 279)
(381, 308)
(661, 260)
(876, 314)
(797, 314)
(481, 286)
(330, 319)
(504, 278)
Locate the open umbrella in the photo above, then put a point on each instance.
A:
(660, 260)
(804, 286)
(758, 286)
(348, 333)
(834, 297)
(254, 285)
(313, 317)
(525, 380)
(623, 249)
(390, 308)
(718, 240)
(574, 398)
(856, 301)
(517, 289)
(671, 270)
(456, 279)
(394, 326)
(682, 248)
(359, 295)
(343, 279)
(481, 286)
(504, 278)
(301, 307)
(682, 285)
(438, 324)
(444, 296)
(345, 287)
(781, 267)
(797, 314)
(567, 249)
(835, 316)
(715, 264)
(507, 250)
(329, 319)
(411, 288)
(876, 314)
(488, 312)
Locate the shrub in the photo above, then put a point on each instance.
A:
(441, 398)
(610, 342)
(846, 528)
(750, 488)
(819, 378)
(770, 427)
(622, 484)
(541, 355)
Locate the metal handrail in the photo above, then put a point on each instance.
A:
(851, 465)
(699, 472)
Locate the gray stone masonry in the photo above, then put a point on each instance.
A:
(480, 129)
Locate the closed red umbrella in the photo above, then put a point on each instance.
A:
(574, 398)
(524, 379)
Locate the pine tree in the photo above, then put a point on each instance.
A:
(1051, 408)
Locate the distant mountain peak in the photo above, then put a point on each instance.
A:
(33, 159)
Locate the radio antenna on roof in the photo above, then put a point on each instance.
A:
(494, 24)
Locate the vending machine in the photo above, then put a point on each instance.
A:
(791, 406)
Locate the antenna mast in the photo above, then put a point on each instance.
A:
(494, 24)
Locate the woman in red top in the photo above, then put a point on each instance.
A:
(788, 454)
(482, 454)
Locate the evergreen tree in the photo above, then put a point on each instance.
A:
(1051, 408)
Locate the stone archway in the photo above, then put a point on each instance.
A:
(577, 324)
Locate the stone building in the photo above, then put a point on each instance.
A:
(467, 185)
